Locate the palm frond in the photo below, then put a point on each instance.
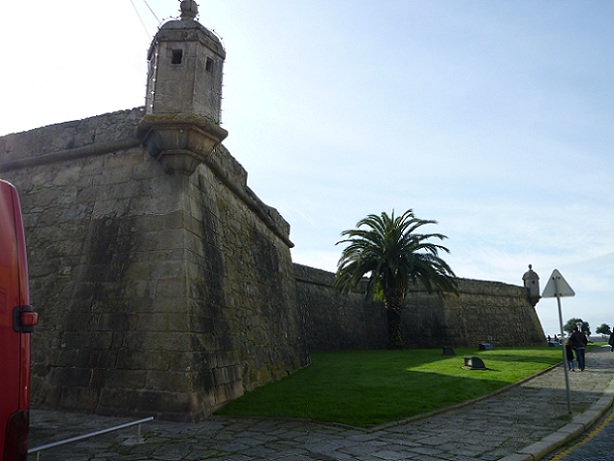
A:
(391, 254)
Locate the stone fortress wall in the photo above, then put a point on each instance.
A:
(164, 285)
(171, 294)
(158, 294)
(484, 311)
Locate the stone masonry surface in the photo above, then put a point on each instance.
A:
(523, 423)
(157, 293)
(163, 283)
(494, 312)
(172, 294)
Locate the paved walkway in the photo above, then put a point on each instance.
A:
(523, 423)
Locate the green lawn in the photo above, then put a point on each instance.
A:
(366, 388)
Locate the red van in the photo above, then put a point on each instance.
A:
(17, 320)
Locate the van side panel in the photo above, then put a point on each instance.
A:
(14, 346)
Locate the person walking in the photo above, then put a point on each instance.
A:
(611, 340)
(569, 352)
(578, 341)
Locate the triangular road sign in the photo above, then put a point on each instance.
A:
(557, 286)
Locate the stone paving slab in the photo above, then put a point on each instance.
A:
(531, 416)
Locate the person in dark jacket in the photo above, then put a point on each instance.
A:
(569, 352)
(611, 340)
(578, 341)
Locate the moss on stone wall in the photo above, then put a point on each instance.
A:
(484, 311)
(172, 294)
(158, 294)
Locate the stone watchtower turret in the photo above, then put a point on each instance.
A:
(531, 284)
(184, 93)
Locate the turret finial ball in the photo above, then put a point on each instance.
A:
(189, 9)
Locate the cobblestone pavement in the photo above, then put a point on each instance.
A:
(525, 422)
(596, 445)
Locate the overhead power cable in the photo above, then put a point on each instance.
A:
(140, 18)
(152, 11)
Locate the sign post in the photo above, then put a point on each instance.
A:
(558, 287)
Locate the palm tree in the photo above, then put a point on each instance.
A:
(393, 256)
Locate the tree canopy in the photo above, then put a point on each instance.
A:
(390, 252)
(603, 329)
(572, 323)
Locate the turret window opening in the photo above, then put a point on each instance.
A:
(209, 65)
(177, 56)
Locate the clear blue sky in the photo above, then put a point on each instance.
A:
(495, 118)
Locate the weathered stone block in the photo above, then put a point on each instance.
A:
(170, 381)
(131, 379)
(72, 377)
(78, 398)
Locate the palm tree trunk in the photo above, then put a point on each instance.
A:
(394, 306)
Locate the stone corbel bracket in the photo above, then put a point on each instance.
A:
(180, 142)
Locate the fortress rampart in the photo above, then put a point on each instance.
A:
(171, 294)
(158, 294)
(483, 312)
(164, 285)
